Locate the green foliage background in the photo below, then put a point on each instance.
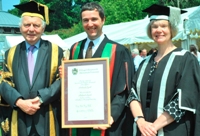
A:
(65, 21)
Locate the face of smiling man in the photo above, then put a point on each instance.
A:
(92, 23)
(31, 29)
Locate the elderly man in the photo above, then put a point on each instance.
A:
(137, 59)
(143, 53)
(33, 89)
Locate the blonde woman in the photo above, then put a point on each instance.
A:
(165, 89)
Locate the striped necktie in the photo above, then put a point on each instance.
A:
(89, 50)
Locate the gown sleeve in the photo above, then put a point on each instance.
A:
(172, 108)
(132, 96)
(188, 85)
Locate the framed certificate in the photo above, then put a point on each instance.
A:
(85, 93)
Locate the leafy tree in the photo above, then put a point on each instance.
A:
(65, 21)
(82, 2)
(123, 11)
(63, 17)
(64, 33)
(180, 3)
(66, 13)
(115, 13)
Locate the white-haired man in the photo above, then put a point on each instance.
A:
(137, 59)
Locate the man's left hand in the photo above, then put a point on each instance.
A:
(104, 128)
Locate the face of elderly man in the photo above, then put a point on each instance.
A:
(143, 53)
(31, 29)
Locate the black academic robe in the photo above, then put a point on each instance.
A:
(177, 76)
(121, 82)
(50, 93)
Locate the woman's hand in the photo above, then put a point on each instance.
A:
(163, 120)
(146, 128)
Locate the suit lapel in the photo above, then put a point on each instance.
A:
(42, 51)
(20, 65)
(24, 61)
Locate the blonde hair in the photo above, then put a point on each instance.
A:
(173, 28)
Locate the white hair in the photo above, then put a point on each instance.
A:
(43, 22)
(135, 51)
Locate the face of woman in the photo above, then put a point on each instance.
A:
(160, 31)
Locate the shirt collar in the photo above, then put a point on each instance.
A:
(97, 41)
(36, 45)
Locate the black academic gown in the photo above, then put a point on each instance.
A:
(177, 76)
(50, 94)
(122, 74)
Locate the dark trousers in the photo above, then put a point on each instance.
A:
(33, 131)
(83, 131)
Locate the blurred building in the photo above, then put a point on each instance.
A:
(9, 25)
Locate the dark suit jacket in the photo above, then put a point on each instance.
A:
(121, 82)
(50, 94)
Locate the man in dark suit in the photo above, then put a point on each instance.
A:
(121, 67)
(34, 97)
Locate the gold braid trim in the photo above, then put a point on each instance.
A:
(10, 59)
(14, 124)
(54, 65)
(5, 125)
(52, 122)
(54, 61)
(14, 131)
(4, 76)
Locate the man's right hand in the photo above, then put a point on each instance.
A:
(29, 106)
